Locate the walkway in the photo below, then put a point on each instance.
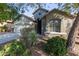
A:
(37, 50)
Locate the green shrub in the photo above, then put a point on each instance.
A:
(56, 46)
(29, 37)
(32, 38)
(15, 48)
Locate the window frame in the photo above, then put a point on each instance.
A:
(54, 26)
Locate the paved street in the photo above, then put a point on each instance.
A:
(5, 37)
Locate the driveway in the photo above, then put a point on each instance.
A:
(6, 37)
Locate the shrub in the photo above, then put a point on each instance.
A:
(29, 37)
(56, 46)
(15, 48)
(33, 38)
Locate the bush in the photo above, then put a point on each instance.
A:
(32, 38)
(56, 46)
(28, 36)
(15, 48)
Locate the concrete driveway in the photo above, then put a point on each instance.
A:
(6, 37)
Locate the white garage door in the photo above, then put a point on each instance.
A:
(17, 29)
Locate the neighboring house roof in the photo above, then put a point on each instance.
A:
(40, 9)
(25, 16)
(60, 12)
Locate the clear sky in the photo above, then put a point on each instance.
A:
(49, 6)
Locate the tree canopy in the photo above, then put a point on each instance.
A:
(69, 7)
(6, 12)
(10, 10)
(22, 7)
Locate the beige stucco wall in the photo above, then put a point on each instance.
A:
(63, 25)
(64, 21)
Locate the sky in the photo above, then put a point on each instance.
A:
(49, 6)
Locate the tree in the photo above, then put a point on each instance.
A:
(72, 33)
(6, 12)
(69, 7)
(22, 7)
(28, 38)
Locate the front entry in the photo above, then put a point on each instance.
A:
(39, 26)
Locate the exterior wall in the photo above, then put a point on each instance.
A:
(64, 25)
(52, 16)
(17, 29)
(43, 24)
(21, 23)
(69, 24)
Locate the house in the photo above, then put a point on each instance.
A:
(9, 25)
(38, 14)
(21, 22)
(6, 26)
(53, 23)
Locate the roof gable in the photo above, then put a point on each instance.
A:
(61, 12)
(40, 9)
(22, 15)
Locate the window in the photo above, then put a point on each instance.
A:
(39, 13)
(55, 25)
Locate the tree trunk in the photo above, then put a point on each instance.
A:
(71, 36)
